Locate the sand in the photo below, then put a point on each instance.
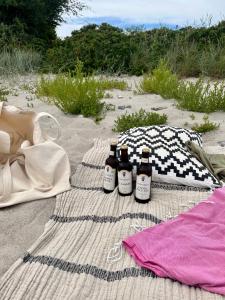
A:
(22, 224)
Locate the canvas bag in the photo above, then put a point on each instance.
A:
(32, 165)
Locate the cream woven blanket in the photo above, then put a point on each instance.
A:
(79, 255)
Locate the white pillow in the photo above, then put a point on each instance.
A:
(171, 161)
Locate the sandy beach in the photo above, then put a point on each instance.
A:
(22, 224)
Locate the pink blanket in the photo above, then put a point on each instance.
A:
(189, 248)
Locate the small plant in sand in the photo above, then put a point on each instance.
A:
(199, 96)
(76, 93)
(3, 93)
(192, 116)
(205, 126)
(108, 96)
(28, 87)
(140, 118)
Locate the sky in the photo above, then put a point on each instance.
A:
(146, 13)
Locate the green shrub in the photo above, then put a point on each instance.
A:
(189, 51)
(161, 82)
(205, 126)
(199, 96)
(189, 60)
(3, 93)
(18, 61)
(183, 58)
(212, 61)
(75, 93)
(140, 118)
(109, 84)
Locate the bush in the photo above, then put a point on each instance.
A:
(161, 82)
(184, 59)
(3, 93)
(205, 126)
(141, 118)
(199, 96)
(188, 60)
(18, 61)
(189, 51)
(212, 61)
(75, 93)
(103, 48)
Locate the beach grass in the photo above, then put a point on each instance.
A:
(77, 94)
(18, 61)
(138, 119)
(199, 96)
(110, 84)
(161, 81)
(206, 126)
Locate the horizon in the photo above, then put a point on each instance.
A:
(141, 13)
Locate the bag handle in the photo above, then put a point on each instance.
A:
(7, 181)
(45, 135)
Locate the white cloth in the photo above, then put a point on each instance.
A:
(40, 170)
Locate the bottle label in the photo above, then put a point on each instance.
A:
(144, 160)
(111, 153)
(125, 181)
(143, 187)
(109, 178)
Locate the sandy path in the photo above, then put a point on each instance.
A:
(22, 224)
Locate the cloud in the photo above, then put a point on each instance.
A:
(66, 29)
(171, 12)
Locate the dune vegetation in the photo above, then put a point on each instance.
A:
(205, 126)
(29, 44)
(200, 95)
(138, 119)
(77, 94)
(80, 63)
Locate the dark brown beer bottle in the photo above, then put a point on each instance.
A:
(124, 173)
(144, 178)
(110, 174)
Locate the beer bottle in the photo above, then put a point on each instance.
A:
(124, 173)
(110, 174)
(144, 177)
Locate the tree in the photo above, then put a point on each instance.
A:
(37, 18)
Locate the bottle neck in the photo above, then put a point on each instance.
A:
(124, 155)
(112, 151)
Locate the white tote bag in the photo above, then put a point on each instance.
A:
(32, 165)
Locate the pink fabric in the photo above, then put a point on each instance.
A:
(189, 248)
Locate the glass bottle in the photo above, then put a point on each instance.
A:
(110, 173)
(124, 173)
(144, 178)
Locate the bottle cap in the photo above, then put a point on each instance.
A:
(114, 142)
(124, 147)
(146, 149)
